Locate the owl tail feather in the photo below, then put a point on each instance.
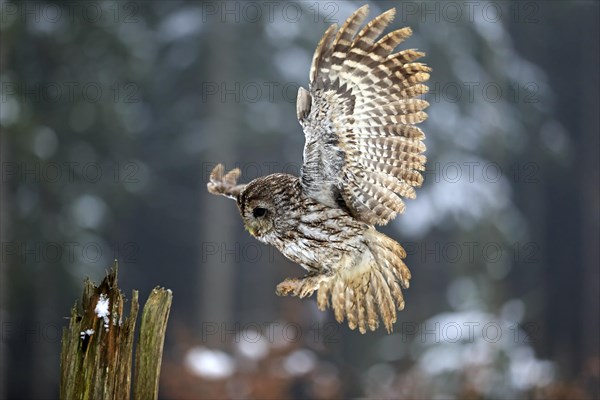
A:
(368, 289)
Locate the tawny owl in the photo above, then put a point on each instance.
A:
(363, 153)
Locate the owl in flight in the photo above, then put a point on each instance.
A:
(363, 152)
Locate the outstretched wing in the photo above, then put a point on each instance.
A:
(225, 184)
(363, 150)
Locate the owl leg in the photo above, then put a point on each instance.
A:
(301, 287)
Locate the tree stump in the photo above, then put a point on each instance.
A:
(96, 356)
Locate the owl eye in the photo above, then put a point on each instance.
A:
(259, 212)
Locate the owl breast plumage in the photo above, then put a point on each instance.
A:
(363, 152)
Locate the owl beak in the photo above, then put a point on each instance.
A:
(251, 230)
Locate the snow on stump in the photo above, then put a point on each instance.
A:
(96, 356)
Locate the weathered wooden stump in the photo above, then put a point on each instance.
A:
(97, 346)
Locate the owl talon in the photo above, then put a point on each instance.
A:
(285, 288)
(301, 287)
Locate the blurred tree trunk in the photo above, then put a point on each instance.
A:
(3, 266)
(217, 281)
(567, 215)
(589, 177)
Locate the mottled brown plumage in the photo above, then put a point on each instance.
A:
(363, 153)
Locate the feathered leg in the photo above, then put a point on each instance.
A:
(301, 287)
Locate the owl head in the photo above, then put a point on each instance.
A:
(265, 202)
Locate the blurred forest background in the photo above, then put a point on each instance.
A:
(112, 115)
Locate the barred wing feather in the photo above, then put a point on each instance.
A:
(363, 150)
